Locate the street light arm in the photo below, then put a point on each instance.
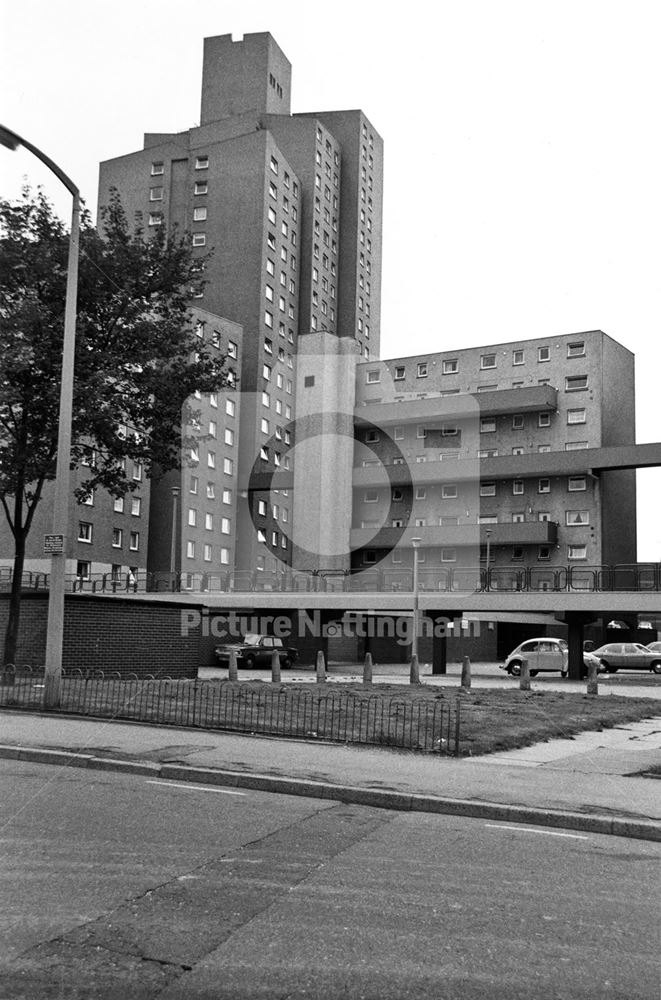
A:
(12, 141)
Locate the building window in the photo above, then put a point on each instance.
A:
(228, 466)
(369, 557)
(373, 376)
(192, 517)
(83, 570)
(136, 506)
(420, 493)
(201, 162)
(576, 445)
(225, 525)
(518, 357)
(518, 422)
(487, 361)
(274, 165)
(224, 556)
(201, 187)
(575, 518)
(517, 450)
(518, 517)
(544, 354)
(84, 531)
(517, 487)
(487, 489)
(422, 370)
(576, 416)
(207, 553)
(421, 431)
(575, 382)
(487, 519)
(451, 366)
(543, 419)
(118, 505)
(134, 541)
(199, 239)
(211, 491)
(542, 448)
(156, 194)
(190, 550)
(371, 496)
(199, 214)
(449, 491)
(576, 350)
(211, 460)
(155, 219)
(371, 436)
(544, 553)
(517, 553)
(157, 169)
(577, 552)
(400, 372)
(117, 538)
(487, 425)
(544, 486)
(398, 433)
(448, 555)
(576, 484)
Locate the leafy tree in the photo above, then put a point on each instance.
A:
(137, 357)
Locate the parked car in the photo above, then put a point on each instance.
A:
(543, 654)
(628, 656)
(256, 651)
(654, 646)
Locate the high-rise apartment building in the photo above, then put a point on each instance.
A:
(289, 207)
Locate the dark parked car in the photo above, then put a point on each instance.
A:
(256, 651)
(628, 656)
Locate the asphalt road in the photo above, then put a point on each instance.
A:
(119, 886)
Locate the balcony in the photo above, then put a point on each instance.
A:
(457, 535)
(462, 406)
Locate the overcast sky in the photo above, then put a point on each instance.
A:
(522, 148)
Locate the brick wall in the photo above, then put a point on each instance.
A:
(108, 634)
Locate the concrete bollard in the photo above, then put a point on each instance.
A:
(321, 668)
(275, 667)
(367, 669)
(233, 673)
(415, 670)
(524, 682)
(593, 673)
(466, 674)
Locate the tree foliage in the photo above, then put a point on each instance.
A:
(137, 357)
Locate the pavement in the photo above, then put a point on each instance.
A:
(593, 782)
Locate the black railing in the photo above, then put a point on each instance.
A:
(339, 716)
(629, 577)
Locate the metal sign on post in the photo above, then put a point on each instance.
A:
(53, 545)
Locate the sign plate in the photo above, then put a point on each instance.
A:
(53, 544)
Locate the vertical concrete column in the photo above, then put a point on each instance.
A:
(367, 669)
(414, 676)
(233, 673)
(575, 623)
(466, 674)
(321, 668)
(275, 667)
(439, 654)
(593, 683)
(524, 680)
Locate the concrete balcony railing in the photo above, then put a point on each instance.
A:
(457, 535)
(463, 406)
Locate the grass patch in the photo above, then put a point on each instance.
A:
(397, 715)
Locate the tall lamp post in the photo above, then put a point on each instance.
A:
(488, 534)
(55, 631)
(173, 543)
(415, 542)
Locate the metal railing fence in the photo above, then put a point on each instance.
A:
(341, 716)
(631, 577)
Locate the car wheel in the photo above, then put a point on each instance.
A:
(249, 662)
(564, 673)
(533, 673)
(514, 669)
(285, 662)
(608, 668)
(656, 667)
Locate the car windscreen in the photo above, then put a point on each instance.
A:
(251, 639)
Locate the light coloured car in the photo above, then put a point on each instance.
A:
(616, 656)
(543, 654)
(654, 646)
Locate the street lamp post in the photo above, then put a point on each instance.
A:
(62, 499)
(415, 542)
(173, 543)
(488, 534)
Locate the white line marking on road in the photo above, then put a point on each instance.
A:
(193, 788)
(548, 833)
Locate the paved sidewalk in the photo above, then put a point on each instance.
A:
(587, 783)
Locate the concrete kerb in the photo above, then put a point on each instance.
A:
(640, 829)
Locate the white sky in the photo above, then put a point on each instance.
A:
(523, 149)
